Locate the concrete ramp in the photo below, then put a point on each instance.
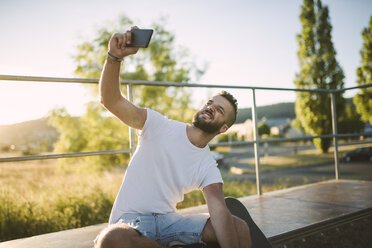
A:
(74, 238)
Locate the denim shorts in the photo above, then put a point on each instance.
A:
(168, 229)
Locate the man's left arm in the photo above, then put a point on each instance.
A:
(221, 218)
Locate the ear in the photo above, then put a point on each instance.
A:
(223, 129)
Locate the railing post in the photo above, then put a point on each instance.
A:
(334, 131)
(132, 140)
(256, 144)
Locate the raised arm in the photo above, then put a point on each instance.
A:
(109, 83)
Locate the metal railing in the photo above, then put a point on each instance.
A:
(256, 141)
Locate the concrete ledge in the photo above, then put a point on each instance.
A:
(350, 230)
(282, 215)
(80, 237)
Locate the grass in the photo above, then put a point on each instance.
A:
(36, 197)
(272, 163)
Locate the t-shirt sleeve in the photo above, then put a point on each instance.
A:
(211, 174)
(155, 123)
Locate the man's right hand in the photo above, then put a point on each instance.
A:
(118, 44)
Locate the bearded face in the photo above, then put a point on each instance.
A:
(204, 119)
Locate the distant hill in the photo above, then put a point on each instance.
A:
(279, 110)
(28, 135)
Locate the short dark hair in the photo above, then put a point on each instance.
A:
(234, 103)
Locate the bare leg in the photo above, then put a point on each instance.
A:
(123, 236)
(243, 233)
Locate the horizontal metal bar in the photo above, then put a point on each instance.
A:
(62, 155)
(160, 83)
(233, 143)
(341, 135)
(48, 79)
(313, 137)
(194, 85)
(355, 87)
(237, 143)
(157, 83)
(295, 139)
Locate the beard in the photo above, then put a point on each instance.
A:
(208, 127)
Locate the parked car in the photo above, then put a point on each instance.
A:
(218, 157)
(359, 154)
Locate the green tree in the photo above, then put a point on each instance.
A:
(363, 99)
(319, 69)
(90, 132)
(351, 121)
(161, 61)
(263, 129)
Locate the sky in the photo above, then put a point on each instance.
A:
(242, 42)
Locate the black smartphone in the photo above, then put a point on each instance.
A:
(141, 37)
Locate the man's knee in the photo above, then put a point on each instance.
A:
(115, 236)
(208, 234)
(243, 231)
(240, 224)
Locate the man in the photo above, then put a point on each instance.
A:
(172, 158)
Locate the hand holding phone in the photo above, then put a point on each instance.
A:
(119, 46)
(140, 37)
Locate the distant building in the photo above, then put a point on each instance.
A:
(243, 130)
(278, 126)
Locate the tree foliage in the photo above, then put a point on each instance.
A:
(263, 129)
(319, 69)
(161, 61)
(351, 121)
(363, 99)
(91, 132)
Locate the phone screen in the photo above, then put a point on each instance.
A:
(141, 37)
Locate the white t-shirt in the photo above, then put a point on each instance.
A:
(164, 167)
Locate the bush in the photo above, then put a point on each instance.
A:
(21, 218)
